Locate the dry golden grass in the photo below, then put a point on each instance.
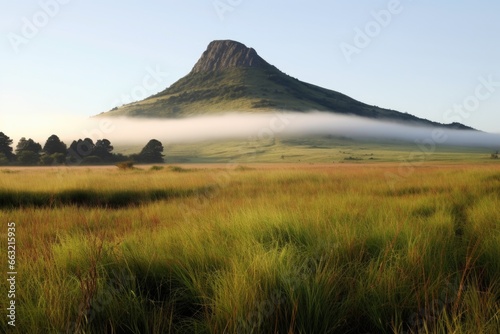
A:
(298, 248)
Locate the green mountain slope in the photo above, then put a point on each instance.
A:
(231, 77)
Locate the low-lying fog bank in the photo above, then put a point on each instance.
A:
(245, 126)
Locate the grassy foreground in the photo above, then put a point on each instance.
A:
(344, 248)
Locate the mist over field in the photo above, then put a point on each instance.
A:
(137, 131)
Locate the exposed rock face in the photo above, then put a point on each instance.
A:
(225, 54)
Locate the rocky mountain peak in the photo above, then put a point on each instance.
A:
(225, 54)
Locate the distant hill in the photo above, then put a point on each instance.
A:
(232, 77)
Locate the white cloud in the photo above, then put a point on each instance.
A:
(232, 126)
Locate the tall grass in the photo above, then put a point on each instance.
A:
(91, 198)
(323, 250)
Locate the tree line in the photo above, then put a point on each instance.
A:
(80, 152)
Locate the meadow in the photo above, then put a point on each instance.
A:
(255, 248)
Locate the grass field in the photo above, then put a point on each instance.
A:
(255, 248)
(314, 150)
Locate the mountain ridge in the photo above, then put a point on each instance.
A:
(230, 77)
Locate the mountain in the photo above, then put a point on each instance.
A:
(232, 77)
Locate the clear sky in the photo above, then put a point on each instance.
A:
(434, 59)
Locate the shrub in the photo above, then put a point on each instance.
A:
(125, 165)
(91, 160)
(178, 169)
(28, 158)
(4, 161)
(46, 160)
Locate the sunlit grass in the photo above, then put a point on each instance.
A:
(275, 250)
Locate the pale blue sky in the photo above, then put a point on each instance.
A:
(425, 58)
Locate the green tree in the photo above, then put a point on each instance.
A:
(53, 159)
(28, 158)
(54, 145)
(28, 145)
(28, 152)
(3, 160)
(79, 150)
(5, 148)
(54, 151)
(47, 160)
(103, 149)
(151, 153)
